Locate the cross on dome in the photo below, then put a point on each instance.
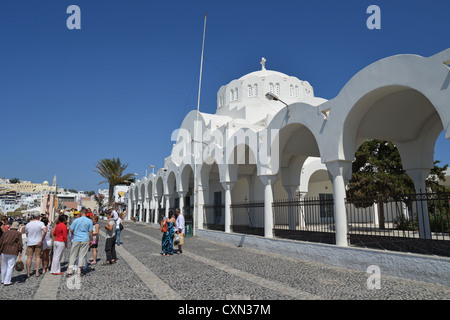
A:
(263, 63)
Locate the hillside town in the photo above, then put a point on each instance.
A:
(23, 198)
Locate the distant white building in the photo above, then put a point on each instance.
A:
(120, 193)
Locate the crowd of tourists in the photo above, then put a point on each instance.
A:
(46, 241)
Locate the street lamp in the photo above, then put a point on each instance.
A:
(271, 96)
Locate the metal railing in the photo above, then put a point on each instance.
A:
(248, 218)
(417, 223)
(311, 214)
(214, 217)
(425, 215)
(161, 214)
(307, 219)
(188, 212)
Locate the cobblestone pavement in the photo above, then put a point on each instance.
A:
(209, 271)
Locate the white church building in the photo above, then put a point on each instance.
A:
(272, 139)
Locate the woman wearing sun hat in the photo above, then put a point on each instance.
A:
(10, 247)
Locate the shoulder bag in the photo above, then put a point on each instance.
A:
(164, 227)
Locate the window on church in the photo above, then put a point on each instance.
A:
(237, 94)
(296, 91)
(250, 91)
(308, 93)
(291, 90)
(271, 87)
(255, 89)
(232, 95)
(277, 89)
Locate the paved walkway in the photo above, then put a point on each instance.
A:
(209, 271)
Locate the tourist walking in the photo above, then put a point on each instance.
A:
(36, 231)
(167, 238)
(110, 246)
(59, 244)
(10, 247)
(119, 228)
(46, 246)
(81, 228)
(95, 239)
(180, 229)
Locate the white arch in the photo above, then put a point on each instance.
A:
(311, 166)
(427, 77)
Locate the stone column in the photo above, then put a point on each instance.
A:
(340, 172)
(301, 212)
(419, 176)
(291, 209)
(167, 205)
(157, 203)
(268, 182)
(198, 205)
(147, 216)
(376, 222)
(141, 209)
(129, 206)
(181, 195)
(228, 186)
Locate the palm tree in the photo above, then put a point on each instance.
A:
(113, 171)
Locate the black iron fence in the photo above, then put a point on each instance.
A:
(248, 218)
(161, 214)
(308, 219)
(417, 223)
(214, 217)
(188, 212)
(151, 217)
(424, 215)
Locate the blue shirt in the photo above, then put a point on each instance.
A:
(81, 228)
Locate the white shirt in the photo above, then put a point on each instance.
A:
(180, 223)
(118, 223)
(34, 231)
(114, 215)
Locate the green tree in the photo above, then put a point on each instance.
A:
(437, 174)
(112, 170)
(14, 180)
(377, 173)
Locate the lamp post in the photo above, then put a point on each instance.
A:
(271, 96)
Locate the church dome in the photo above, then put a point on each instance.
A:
(45, 183)
(263, 73)
(245, 97)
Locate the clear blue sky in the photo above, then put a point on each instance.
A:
(120, 86)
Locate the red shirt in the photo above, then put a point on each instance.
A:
(60, 232)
